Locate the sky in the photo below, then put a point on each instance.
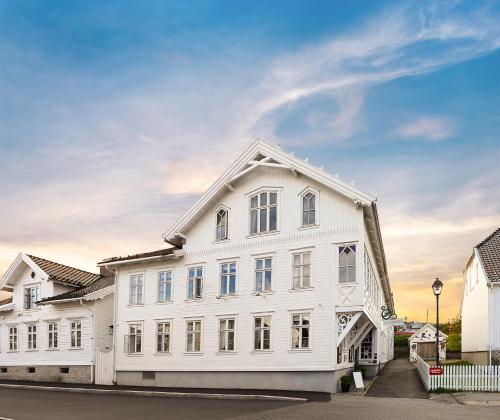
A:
(115, 116)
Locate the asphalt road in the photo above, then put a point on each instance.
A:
(46, 405)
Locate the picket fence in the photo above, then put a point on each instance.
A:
(461, 378)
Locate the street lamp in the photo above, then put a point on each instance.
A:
(437, 286)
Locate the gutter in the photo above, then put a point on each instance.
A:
(131, 261)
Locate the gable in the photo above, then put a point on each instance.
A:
(429, 331)
(16, 269)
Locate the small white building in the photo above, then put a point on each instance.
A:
(275, 280)
(481, 303)
(56, 323)
(423, 344)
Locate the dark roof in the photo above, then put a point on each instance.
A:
(489, 254)
(64, 274)
(158, 253)
(5, 301)
(102, 283)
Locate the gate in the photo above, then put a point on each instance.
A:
(426, 351)
(104, 367)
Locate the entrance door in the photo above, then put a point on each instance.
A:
(426, 350)
(104, 368)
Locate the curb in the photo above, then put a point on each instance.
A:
(158, 393)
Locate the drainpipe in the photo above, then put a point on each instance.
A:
(92, 367)
(115, 319)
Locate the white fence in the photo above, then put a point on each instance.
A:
(461, 378)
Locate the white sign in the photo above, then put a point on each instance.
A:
(358, 380)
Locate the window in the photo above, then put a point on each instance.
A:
(262, 333)
(228, 278)
(31, 296)
(347, 264)
(221, 231)
(31, 370)
(300, 331)
(308, 209)
(3, 370)
(165, 286)
(163, 337)
(64, 370)
(226, 334)
(133, 341)
(32, 337)
(195, 283)
(340, 351)
(53, 335)
(367, 346)
(76, 334)
(302, 270)
(351, 354)
(193, 336)
(263, 274)
(13, 338)
(136, 289)
(263, 212)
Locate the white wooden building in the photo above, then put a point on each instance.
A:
(481, 303)
(423, 344)
(275, 279)
(56, 322)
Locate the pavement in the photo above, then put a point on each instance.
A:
(485, 399)
(399, 379)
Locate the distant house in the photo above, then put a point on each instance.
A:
(56, 321)
(481, 303)
(423, 343)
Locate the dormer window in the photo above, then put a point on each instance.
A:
(308, 209)
(263, 212)
(221, 231)
(31, 297)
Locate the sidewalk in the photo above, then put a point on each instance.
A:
(485, 399)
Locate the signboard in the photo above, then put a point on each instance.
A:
(358, 380)
(435, 371)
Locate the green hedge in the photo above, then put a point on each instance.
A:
(401, 340)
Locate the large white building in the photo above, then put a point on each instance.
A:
(56, 323)
(481, 303)
(275, 279)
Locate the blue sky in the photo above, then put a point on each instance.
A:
(115, 116)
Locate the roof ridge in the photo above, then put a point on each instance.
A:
(63, 265)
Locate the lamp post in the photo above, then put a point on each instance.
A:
(437, 286)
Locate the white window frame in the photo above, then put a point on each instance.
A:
(260, 207)
(160, 335)
(13, 338)
(300, 327)
(134, 297)
(75, 327)
(53, 335)
(31, 340)
(138, 332)
(195, 279)
(164, 284)
(33, 298)
(227, 276)
(349, 267)
(262, 330)
(224, 334)
(301, 266)
(302, 194)
(224, 237)
(263, 270)
(193, 333)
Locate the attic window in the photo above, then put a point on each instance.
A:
(32, 274)
(221, 231)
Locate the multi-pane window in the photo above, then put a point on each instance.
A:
(13, 338)
(263, 212)
(347, 264)
(263, 274)
(300, 331)
(195, 283)
(76, 334)
(193, 336)
(163, 337)
(262, 333)
(308, 209)
(31, 296)
(136, 289)
(226, 334)
(302, 270)
(53, 335)
(221, 230)
(133, 341)
(340, 352)
(228, 278)
(165, 286)
(367, 347)
(32, 337)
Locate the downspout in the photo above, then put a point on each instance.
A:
(115, 323)
(92, 367)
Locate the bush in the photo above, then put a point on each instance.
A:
(454, 342)
(459, 363)
(401, 340)
(346, 379)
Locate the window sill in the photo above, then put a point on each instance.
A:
(301, 289)
(226, 353)
(260, 234)
(193, 353)
(291, 351)
(12, 351)
(75, 348)
(263, 293)
(306, 227)
(222, 297)
(133, 354)
(162, 353)
(31, 350)
(166, 302)
(52, 349)
(261, 352)
(131, 305)
(220, 241)
(194, 300)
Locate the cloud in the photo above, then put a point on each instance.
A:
(428, 127)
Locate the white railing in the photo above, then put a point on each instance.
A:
(461, 378)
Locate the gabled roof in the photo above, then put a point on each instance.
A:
(82, 292)
(427, 326)
(489, 255)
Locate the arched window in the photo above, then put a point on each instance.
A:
(347, 264)
(308, 209)
(221, 229)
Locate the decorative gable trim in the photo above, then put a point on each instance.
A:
(8, 277)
